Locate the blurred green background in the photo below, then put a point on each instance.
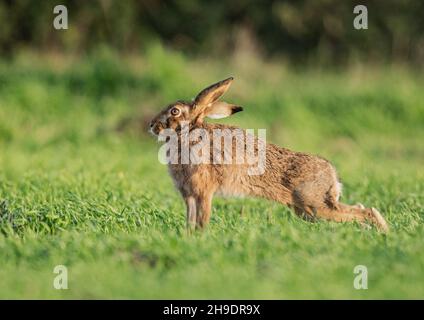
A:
(307, 31)
(81, 186)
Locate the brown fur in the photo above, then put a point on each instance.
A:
(304, 182)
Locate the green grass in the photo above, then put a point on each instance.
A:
(75, 192)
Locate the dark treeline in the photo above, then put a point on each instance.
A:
(301, 31)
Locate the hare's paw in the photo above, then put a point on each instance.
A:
(382, 224)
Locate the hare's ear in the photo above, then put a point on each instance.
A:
(221, 109)
(212, 93)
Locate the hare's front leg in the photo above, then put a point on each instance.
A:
(204, 208)
(191, 212)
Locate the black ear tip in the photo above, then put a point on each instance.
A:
(228, 79)
(236, 109)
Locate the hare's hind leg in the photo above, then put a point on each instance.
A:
(346, 213)
(371, 215)
(316, 199)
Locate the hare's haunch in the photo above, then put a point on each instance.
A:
(304, 182)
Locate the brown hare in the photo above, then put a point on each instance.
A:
(304, 182)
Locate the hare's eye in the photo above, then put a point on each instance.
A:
(175, 112)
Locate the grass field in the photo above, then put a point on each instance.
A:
(75, 191)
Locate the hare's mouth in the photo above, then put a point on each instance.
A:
(156, 130)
